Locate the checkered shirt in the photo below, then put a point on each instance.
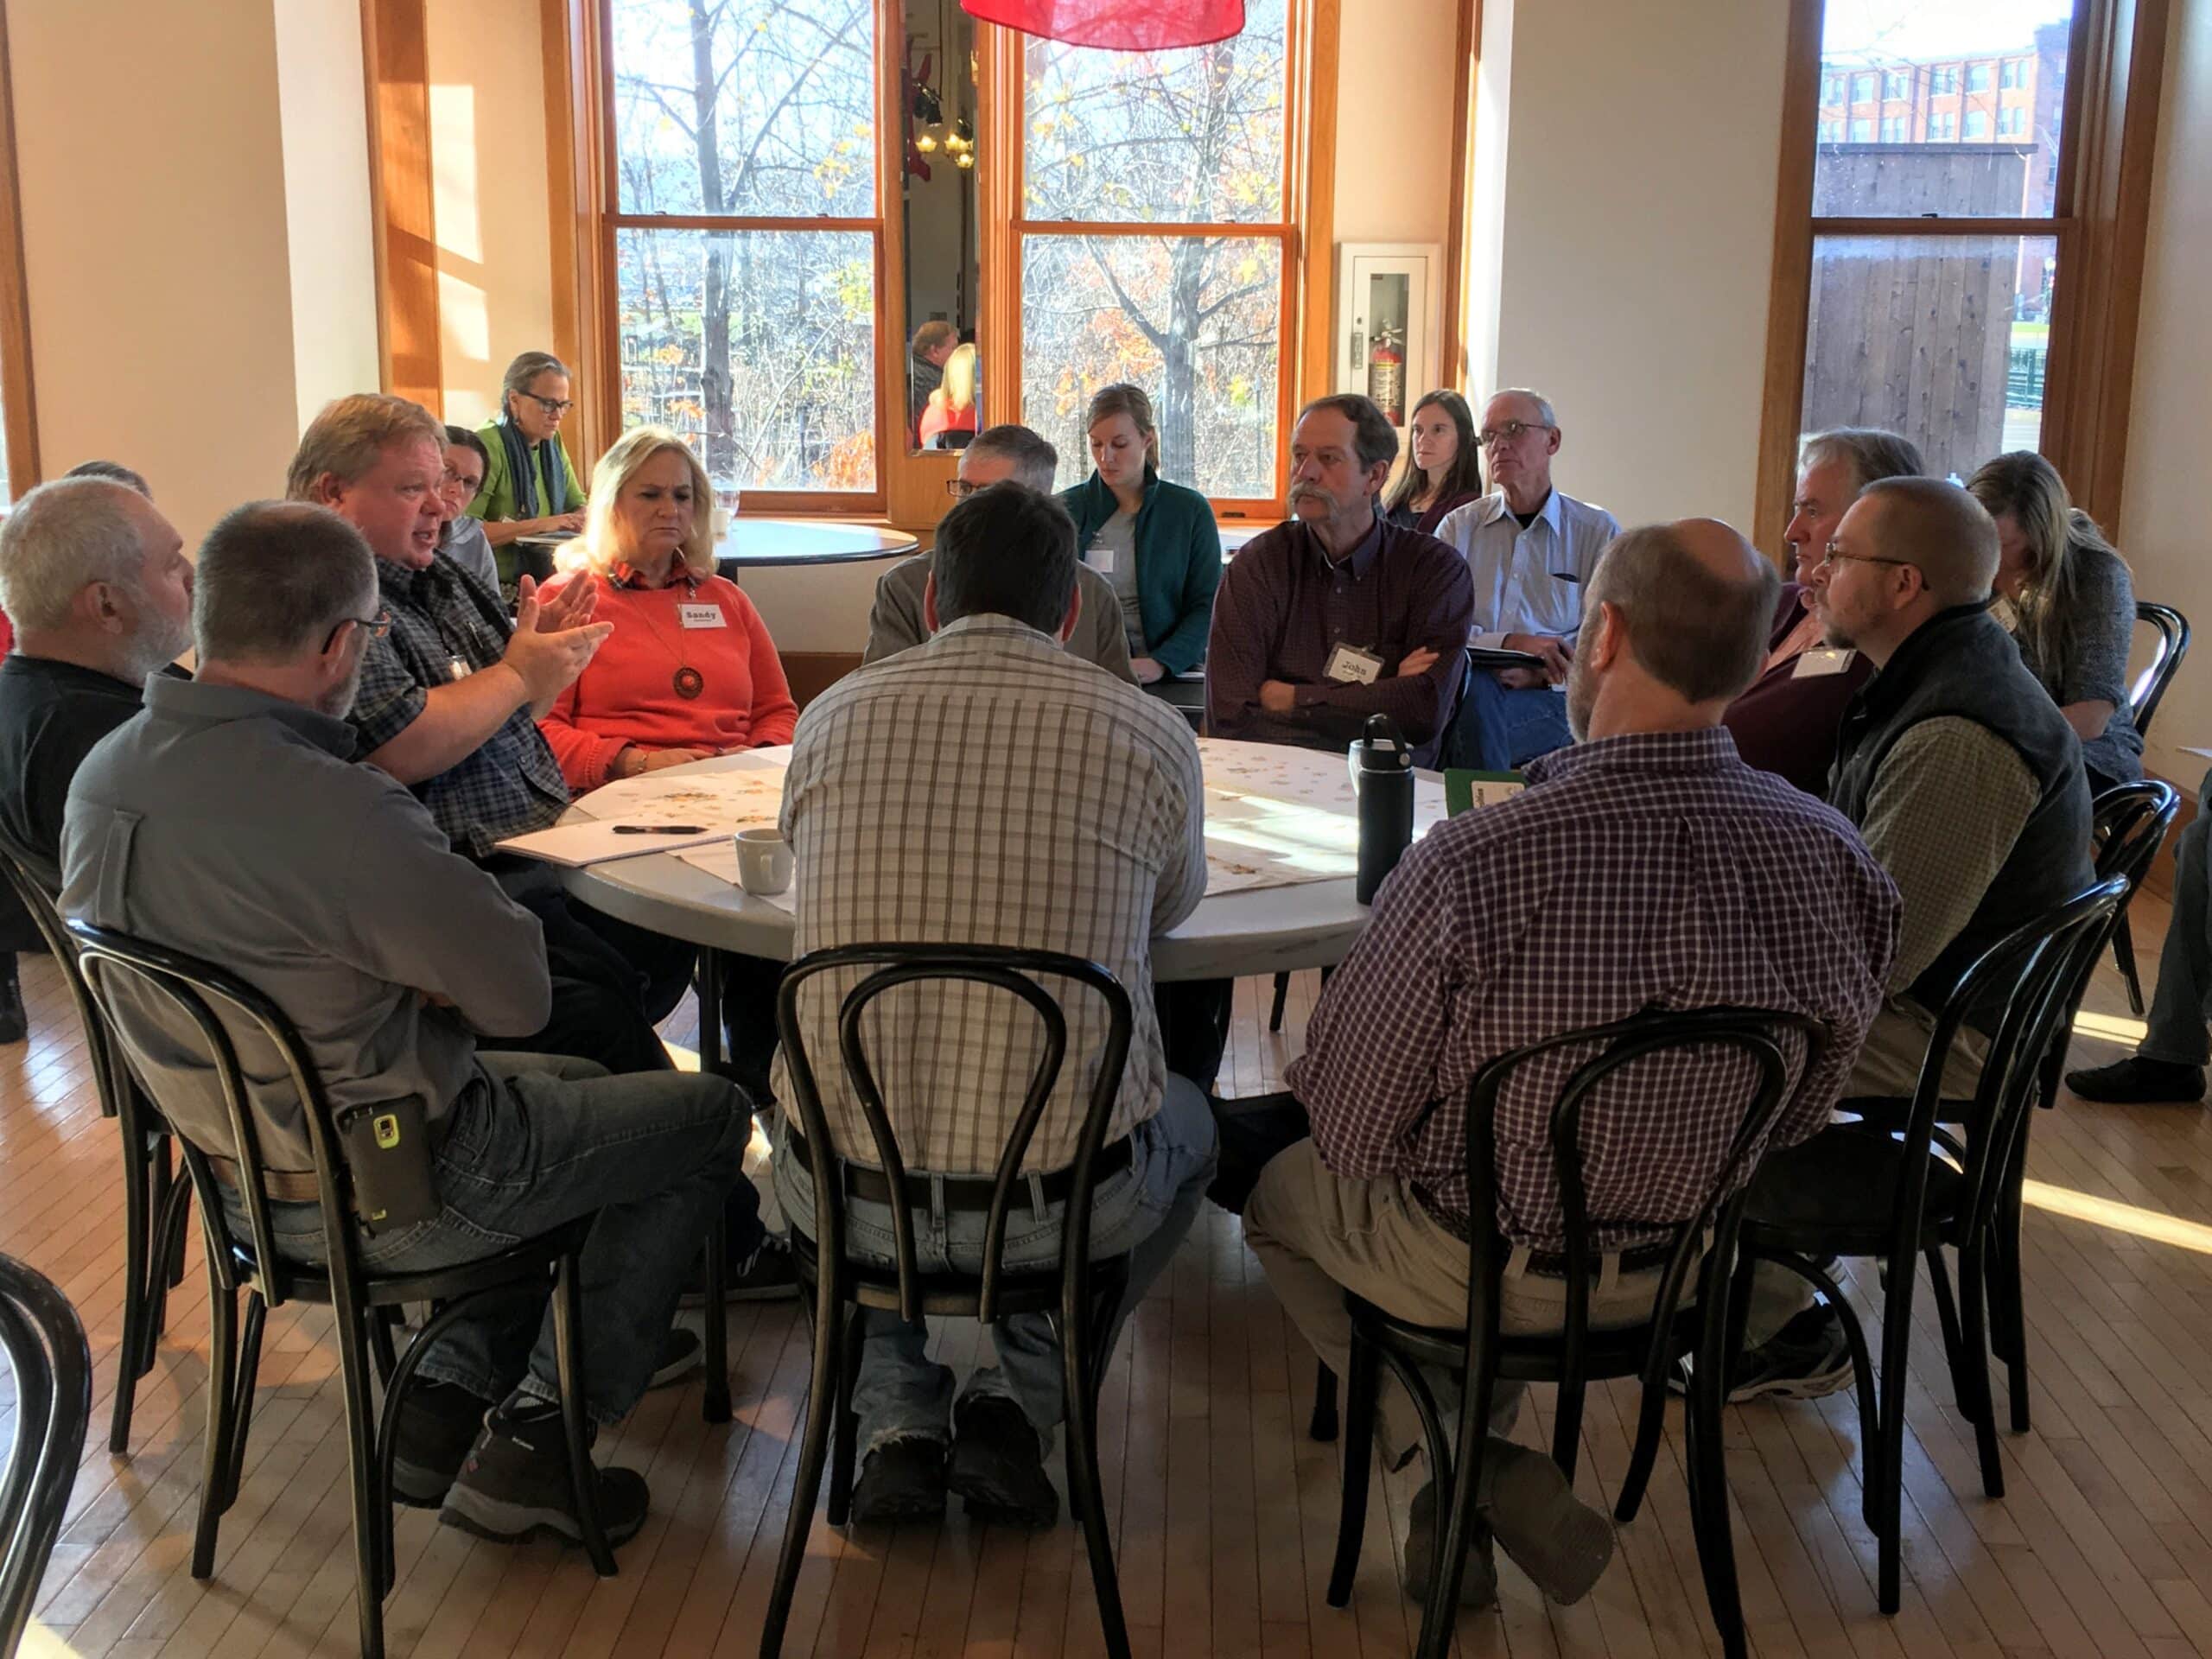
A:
(987, 788)
(1650, 871)
(439, 616)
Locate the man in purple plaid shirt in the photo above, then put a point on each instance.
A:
(1646, 868)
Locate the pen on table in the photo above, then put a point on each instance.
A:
(660, 829)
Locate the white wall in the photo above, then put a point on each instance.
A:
(1637, 245)
(2165, 529)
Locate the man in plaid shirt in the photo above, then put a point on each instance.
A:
(1646, 868)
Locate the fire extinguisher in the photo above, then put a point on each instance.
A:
(1386, 375)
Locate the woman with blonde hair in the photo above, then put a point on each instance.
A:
(1156, 542)
(952, 405)
(690, 670)
(2073, 607)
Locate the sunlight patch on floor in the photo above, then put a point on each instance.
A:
(39, 1642)
(2109, 1028)
(2154, 1224)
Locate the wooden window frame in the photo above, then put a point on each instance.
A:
(17, 385)
(2100, 218)
(910, 484)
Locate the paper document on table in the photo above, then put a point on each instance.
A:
(726, 801)
(1278, 817)
(602, 842)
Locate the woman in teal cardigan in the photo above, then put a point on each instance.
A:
(1156, 542)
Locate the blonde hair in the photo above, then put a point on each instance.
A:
(2057, 533)
(600, 544)
(1122, 398)
(350, 436)
(959, 382)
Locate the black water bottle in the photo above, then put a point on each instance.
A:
(1382, 780)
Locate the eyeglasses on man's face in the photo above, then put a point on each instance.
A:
(372, 627)
(1834, 553)
(1512, 432)
(960, 489)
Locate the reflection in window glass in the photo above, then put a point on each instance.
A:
(758, 346)
(1192, 136)
(1942, 338)
(1192, 319)
(1909, 42)
(755, 107)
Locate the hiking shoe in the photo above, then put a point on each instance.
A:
(2138, 1082)
(1559, 1541)
(901, 1480)
(1477, 1580)
(515, 1486)
(1808, 1357)
(680, 1354)
(438, 1423)
(764, 1275)
(998, 1464)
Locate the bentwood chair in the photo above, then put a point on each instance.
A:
(1902, 1194)
(154, 1202)
(1079, 1294)
(43, 1346)
(2149, 691)
(233, 1177)
(1480, 1355)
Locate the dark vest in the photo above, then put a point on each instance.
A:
(1961, 662)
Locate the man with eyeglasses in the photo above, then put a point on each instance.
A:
(999, 453)
(97, 584)
(1531, 549)
(1967, 784)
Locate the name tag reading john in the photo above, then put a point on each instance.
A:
(1350, 665)
(702, 616)
(1829, 659)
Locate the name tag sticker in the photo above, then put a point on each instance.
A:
(458, 669)
(1100, 559)
(1832, 659)
(1348, 665)
(702, 616)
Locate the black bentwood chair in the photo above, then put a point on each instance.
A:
(1479, 1355)
(1902, 1194)
(1079, 1294)
(2149, 691)
(253, 1264)
(154, 1202)
(44, 1348)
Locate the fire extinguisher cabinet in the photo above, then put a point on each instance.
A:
(1387, 323)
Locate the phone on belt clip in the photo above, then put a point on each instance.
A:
(387, 1150)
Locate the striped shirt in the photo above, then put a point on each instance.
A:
(1649, 871)
(987, 788)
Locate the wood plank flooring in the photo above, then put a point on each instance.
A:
(1225, 1510)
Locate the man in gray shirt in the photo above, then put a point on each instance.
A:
(894, 622)
(227, 819)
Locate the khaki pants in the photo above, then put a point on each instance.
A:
(1318, 1236)
(1889, 1064)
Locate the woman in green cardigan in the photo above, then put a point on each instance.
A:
(530, 486)
(1156, 542)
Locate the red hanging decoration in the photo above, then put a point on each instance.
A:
(1118, 25)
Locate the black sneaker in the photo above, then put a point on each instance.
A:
(1806, 1358)
(515, 1486)
(766, 1275)
(2138, 1082)
(998, 1464)
(901, 1480)
(1559, 1541)
(680, 1354)
(1477, 1580)
(14, 1024)
(438, 1424)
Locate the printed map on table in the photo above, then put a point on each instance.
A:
(1275, 816)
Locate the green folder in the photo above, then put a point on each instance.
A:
(1464, 790)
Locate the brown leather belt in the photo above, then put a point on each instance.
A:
(965, 1193)
(1641, 1259)
(285, 1185)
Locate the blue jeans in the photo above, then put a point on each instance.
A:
(1497, 727)
(2182, 1002)
(653, 1153)
(1145, 1209)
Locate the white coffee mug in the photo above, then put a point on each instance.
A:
(763, 861)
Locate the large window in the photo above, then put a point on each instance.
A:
(747, 234)
(1152, 245)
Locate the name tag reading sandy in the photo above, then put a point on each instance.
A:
(1832, 659)
(1348, 665)
(702, 616)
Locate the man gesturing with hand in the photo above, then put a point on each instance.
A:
(450, 695)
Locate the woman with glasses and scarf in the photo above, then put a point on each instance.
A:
(530, 486)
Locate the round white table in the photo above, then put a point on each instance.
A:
(776, 541)
(1255, 931)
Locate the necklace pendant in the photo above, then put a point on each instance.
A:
(688, 683)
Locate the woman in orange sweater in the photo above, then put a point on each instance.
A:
(690, 670)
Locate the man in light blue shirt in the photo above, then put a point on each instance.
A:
(1530, 550)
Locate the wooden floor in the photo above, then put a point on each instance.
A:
(1225, 1510)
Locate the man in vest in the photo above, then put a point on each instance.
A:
(1967, 784)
